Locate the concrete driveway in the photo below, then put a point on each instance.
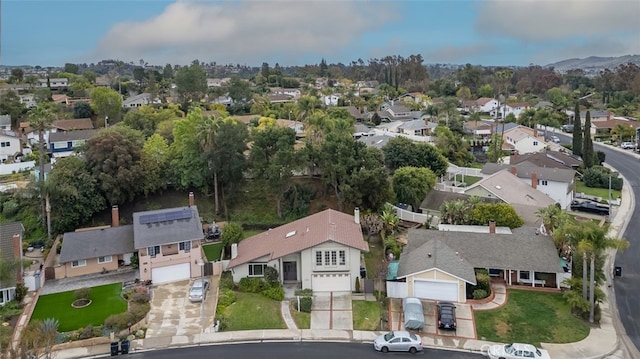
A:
(172, 313)
(464, 318)
(331, 310)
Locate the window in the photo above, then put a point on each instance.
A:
(535, 143)
(543, 182)
(153, 251)
(78, 263)
(5, 144)
(327, 258)
(343, 257)
(319, 258)
(524, 275)
(334, 258)
(331, 258)
(257, 269)
(185, 246)
(105, 259)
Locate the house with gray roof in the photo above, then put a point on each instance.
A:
(95, 250)
(377, 141)
(62, 143)
(434, 200)
(438, 265)
(11, 235)
(417, 127)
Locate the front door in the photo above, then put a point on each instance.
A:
(289, 271)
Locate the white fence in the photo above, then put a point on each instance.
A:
(410, 216)
(445, 188)
(379, 132)
(9, 168)
(453, 170)
(397, 290)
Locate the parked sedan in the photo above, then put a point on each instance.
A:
(447, 316)
(628, 145)
(198, 290)
(398, 341)
(517, 351)
(590, 207)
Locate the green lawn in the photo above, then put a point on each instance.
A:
(213, 251)
(366, 315)
(374, 259)
(250, 233)
(105, 299)
(302, 319)
(253, 311)
(531, 317)
(470, 180)
(599, 192)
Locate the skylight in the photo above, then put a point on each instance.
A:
(290, 234)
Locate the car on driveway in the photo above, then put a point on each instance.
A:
(447, 316)
(590, 207)
(628, 145)
(516, 351)
(198, 290)
(398, 341)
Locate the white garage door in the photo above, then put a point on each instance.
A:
(331, 282)
(171, 273)
(435, 290)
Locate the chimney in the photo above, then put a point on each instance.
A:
(191, 199)
(514, 170)
(17, 254)
(534, 180)
(115, 216)
(492, 226)
(356, 215)
(535, 132)
(234, 250)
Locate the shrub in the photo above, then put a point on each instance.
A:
(357, 284)
(226, 280)
(271, 275)
(304, 292)
(21, 292)
(275, 293)
(251, 285)
(480, 294)
(86, 332)
(82, 293)
(226, 297)
(598, 177)
(140, 298)
(305, 304)
(138, 311)
(119, 321)
(483, 281)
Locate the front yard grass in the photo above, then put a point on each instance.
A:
(374, 259)
(531, 317)
(253, 311)
(598, 192)
(105, 301)
(213, 251)
(302, 319)
(366, 314)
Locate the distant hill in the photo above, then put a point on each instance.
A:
(594, 63)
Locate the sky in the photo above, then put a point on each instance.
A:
(250, 32)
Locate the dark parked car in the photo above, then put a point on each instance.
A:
(590, 207)
(567, 128)
(447, 316)
(213, 232)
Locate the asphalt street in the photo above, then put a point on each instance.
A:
(293, 351)
(627, 290)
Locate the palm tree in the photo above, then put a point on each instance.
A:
(207, 131)
(49, 188)
(389, 218)
(41, 118)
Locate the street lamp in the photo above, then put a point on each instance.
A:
(201, 264)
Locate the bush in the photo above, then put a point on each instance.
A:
(304, 292)
(598, 177)
(483, 281)
(357, 284)
(305, 304)
(226, 280)
(21, 292)
(251, 285)
(138, 311)
(119, 321)
(86, 332)
(271, 275)
(275, 293)
(480, 294)
(140, 298)
(82, 293)
(226, 297)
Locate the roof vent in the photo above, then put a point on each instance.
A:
(498, 187)
(429, 255)
(290, 234)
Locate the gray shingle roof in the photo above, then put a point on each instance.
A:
(71, 135)
(7, 230)
(165, 232)
(522, 250)
(96, 243)
(525, 168)
(435, 254)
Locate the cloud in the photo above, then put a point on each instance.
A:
(457, 53)
(542, 20)
(244, 32)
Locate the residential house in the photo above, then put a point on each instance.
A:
(61, 144)
(361, 130)
(139, 100)
(434, 200)
(11, 235)
(5, 122)
(73, 124)
(522, 141)
(505, 186)
(218, 82)
(28, 100)
(550, 159)
(353, 111)
(377, 141)
(479, 129)
(54, 83)
(95, 250)
(417, 127)
(319, 252)
(223, 100)
(393, 127)
(10, 145)
(557, 183)
(438, 265)
(602, 129)
(295, 93)
(168, 243)
(543, 105)
(483, 104)
(515, 108)
(276, 98)
(330, 100)
(396, 112)
(596, 115)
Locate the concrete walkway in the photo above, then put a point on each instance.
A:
(285, 308)
(498, 300)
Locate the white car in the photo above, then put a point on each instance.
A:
(555, 139)
(198, 290)
(628, 145)
(517, 351)
(398, 341)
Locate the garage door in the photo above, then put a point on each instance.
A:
(331, 282)
(171, 273)
(435, 290)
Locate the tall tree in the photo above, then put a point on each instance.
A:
(587, 143)
(231, 137)
(41, 119)
(192, 84)
(577, 131)
(401, 152)
(107, 104)
(411, 184)
(155, 164)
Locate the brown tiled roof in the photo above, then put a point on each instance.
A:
(74, 124)
(326, 226)
(613, 123)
